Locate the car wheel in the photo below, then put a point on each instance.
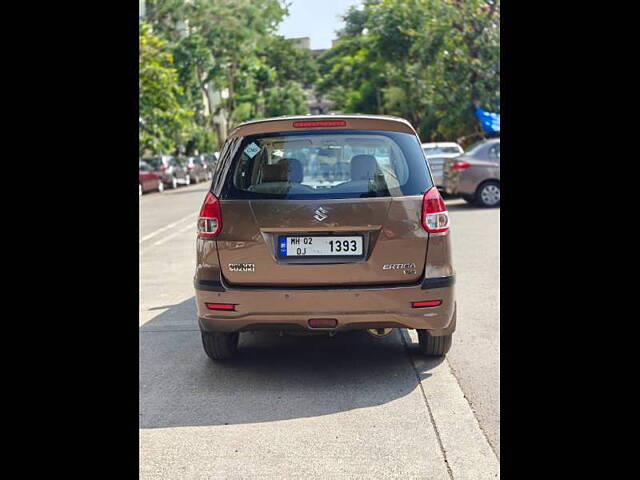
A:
(220, 345)
(488, 194)
(434, 346)
(174, 182)
(139, 190)
(160, 186)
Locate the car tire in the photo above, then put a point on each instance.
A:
(220, 345)
(488, 194)
(434, 346)
(160, 186)
(174, 183)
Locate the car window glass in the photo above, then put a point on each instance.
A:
(438, 150)
(494, 152)
(475, 148)
(363, 163)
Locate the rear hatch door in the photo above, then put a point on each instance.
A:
(394, 244)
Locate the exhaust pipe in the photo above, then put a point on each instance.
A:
(380, 332)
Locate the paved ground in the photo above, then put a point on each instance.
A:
(291, 407)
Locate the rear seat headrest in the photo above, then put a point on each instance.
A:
(363, 167)
(274, 173)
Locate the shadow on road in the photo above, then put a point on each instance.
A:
(273, 378)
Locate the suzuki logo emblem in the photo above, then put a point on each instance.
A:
(320, 214)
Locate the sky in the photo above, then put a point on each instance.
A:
(317, 19)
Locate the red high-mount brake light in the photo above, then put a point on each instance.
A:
(320, 123)
(221, 306)
(210, 220)
(435, 217)
(426, 303)
(460, 165)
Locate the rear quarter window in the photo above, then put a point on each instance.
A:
(329, 164)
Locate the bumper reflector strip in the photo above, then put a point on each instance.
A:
(426, 303)
(221, 306)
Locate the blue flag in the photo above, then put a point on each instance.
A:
(490, 121)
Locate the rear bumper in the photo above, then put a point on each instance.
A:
(353, 308)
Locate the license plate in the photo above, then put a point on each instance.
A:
(320, 246)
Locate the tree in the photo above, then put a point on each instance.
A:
(428, 61)
(164, 122)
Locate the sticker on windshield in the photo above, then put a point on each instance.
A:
(251, 150)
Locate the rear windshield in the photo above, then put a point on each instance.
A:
(348, 164)
(154, 162)
(439, 150)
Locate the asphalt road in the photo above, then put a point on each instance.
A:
(314, 407)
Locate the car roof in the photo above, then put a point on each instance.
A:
(439, 144)
(354, 122)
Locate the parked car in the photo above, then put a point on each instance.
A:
(436, 154)
(196, 169)
(173, 171)
(438, 148)
(210, 159)
(475, 175)
(280, 247)
(148, 179)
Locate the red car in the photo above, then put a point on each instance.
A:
(148, 179)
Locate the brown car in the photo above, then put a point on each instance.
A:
(475, 176)
(324, 224)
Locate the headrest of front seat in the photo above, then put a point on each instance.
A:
(294, 169)
(363, 167)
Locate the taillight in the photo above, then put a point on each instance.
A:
(435, 217)
(210, 220)
(459, 165)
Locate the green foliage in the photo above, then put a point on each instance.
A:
(229, 66)
(164, 122)
(288, 99)
(425, 60)
(206, 65)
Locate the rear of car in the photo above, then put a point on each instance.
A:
(329, 224)
(164, 165)
(475, 176)
(436, 154)
(148, 179)
(195, 170)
